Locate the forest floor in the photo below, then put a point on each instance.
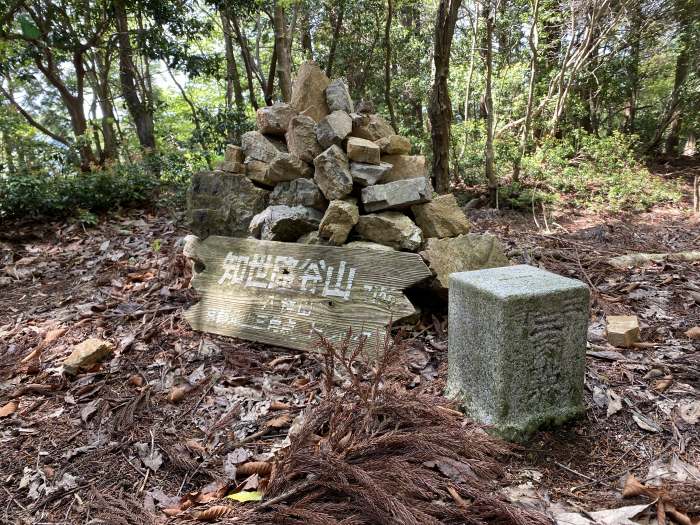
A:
(174, 416)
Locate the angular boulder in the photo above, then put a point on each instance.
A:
(366, 107)
(363, 150)
(405, 167)
(220, 203)
(396, 195)
(390, 228)
(286, 167)
(301, 138)
(338, 221)
(274, 120)
(462, 254)
(338, 97)
(368, 174)
(394, 145)
(233, 153)
(285, 223)
(440, 218)
(309, 91)
(333, 129)
(367, 245)
(87, 354)
(298, 192)
(333, 173)
(257, 171)
(374, 128)
(231, 167)
(257, 146)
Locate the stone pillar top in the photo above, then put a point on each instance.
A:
(511, 282)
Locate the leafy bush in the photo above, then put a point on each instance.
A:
(597, 172)
(29, 195)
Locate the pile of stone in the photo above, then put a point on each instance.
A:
(322, 170)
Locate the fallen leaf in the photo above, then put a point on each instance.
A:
(619, 516)
(9, 409)
(690, 412)
(693, 333)
(178, 393)
(645, 423)
(254, 467)
(278, 405)
(279, 421)
(246, 496)
(215, 513)
(662, 384)
(614, 402)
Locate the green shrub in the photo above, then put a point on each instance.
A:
(597, 172)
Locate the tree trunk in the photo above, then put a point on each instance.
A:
(489, 157)
(305, 34)
(140, 110)
(387, 62)
(101, 86)
(533, 41)
(440, 109)
(247, 60)
(337, 28)
(283, 46)
(234, 91)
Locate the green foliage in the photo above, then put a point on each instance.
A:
(26, 195)
(601, 173)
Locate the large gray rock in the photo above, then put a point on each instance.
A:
(333, 129)
(284, 223)
(257, 146)
(374, 129)
(287, 167)
(396, 195)
(394, 145)
(442, 217)
(231, 167)
(309, 91)
(367, 245)
(368, 174)
(274, 120)
(363, 150)
(338, 97)
(333, 173)
(517, 347)
(301, 138)
(405, 167)
(299, 192)
(338, 221)
(391, 229)
(220, 203)
(461, 254)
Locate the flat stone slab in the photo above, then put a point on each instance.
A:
(517, 347)
(396, 195)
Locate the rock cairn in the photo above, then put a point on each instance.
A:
(321, 170)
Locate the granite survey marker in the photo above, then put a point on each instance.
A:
(286, 294)
(517, 344)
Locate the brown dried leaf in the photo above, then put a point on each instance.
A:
(9, 409)
(216, 513)
(278, 405)
(178, 393)
(693, 333)
(261, 468)
(279, 421)
(662, 384)
(172, 511)
(136, 380)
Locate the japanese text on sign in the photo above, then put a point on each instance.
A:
(281, 271)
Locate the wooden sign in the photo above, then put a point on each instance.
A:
(286, 294)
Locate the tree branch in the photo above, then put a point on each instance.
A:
(34, 123)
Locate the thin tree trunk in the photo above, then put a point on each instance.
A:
(470, 75)
(337, 28)
(137, 104)
(489, 157)
(247, 60)
(195, 117)
(101, 86)
(283, 46)
(305, 34)
(533, 42)
(440, 109)
(234, 91)
(387, 62)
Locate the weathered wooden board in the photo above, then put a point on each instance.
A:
(286, 293)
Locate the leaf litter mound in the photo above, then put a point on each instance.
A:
(373, 452)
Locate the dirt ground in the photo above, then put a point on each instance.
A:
(176, 413)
